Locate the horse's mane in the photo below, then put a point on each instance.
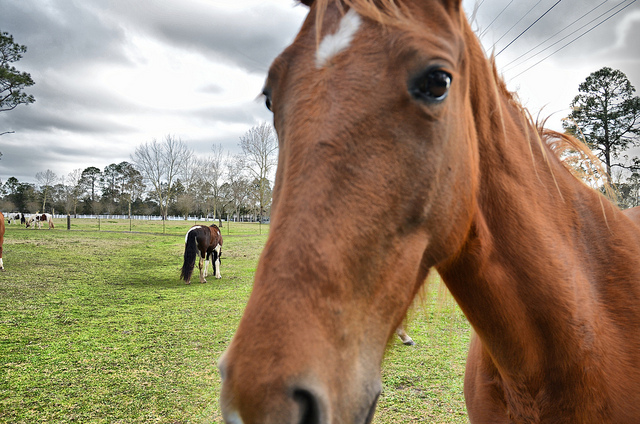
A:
(574, 154)
(389, 13)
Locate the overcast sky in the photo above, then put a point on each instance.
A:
(111, 75)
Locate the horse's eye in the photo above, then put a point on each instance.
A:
(267, 98)
(432, 85)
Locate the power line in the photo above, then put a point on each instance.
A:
(573, 32)
(513, 26)
(494, 19)
(562, 30)
(527, 28)
(575, 39)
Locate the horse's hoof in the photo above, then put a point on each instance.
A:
(187, 282)
(409, 343)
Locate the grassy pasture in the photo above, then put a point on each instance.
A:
(95, 327)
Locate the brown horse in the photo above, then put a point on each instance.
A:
(388, 111)
(1, 239)
(203, 242)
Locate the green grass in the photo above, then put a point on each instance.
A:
(95, 327)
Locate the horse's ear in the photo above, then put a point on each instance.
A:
(306, 2)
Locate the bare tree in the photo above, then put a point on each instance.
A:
(161, 163)
(46, 180)
(131, 184)
(73, 189)
(259, 146)
(237, 183)
(212, 173)
(191, 173)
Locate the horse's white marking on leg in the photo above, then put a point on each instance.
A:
(1, 264)
(333, 44)
(202, 280)
(234, 418)
(405, 337)
(206, 267)
(218, 249)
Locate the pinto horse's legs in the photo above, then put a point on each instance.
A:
(216, 263)
(203, 267)
(206, 264)
(200, 263)
(404, 336)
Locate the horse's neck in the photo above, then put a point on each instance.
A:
(538, 248)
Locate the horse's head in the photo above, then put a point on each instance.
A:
(375, 185)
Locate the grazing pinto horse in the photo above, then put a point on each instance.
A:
(203, 242)
(38, 219)
(1, 239)
(17, 216)
(393, 102)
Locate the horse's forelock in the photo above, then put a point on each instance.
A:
(386, 12)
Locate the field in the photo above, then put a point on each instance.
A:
(95, 327)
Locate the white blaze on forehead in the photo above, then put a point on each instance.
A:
(333, 44)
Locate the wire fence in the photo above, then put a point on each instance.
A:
(173, 225)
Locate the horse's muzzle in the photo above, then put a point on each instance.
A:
(300, 403)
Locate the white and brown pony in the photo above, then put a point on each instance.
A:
(16, 216)
(1, 239)
(205, 243)
(388, 111)
(36, 220)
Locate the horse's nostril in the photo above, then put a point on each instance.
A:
(309, 407)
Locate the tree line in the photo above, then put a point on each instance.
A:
(164, 177)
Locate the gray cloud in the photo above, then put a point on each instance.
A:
(249, 39)
(61, 34)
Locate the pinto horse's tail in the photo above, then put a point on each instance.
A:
(190, 252)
